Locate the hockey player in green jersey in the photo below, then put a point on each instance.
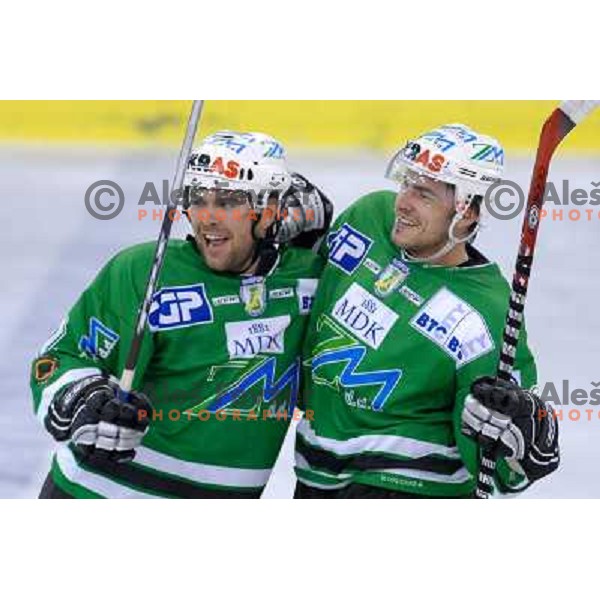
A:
(405, 336)
(219, 371)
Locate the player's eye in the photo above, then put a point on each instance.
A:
(198, 196)
(427, 195)
(231, 199)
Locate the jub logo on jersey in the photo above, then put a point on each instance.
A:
(176, 307)
(364, 315)
(347, 248)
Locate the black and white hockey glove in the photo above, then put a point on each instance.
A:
(515, 423)
(89, 414)
(308, 213)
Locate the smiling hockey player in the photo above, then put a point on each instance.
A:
(405, 332)
(219, 370)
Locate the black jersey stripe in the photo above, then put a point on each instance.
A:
(323, 459)
(135, 475)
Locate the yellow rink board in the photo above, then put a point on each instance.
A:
(315, 124)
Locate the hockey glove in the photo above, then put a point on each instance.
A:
(305, 214)
(101, 426)
(515, 423)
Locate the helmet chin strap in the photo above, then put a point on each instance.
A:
(265, 255)
(452, 242)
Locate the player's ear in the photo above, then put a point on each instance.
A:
(267, 217)
(468, 221)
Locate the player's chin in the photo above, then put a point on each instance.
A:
(218, 259)
(404, 238)
(220, 263)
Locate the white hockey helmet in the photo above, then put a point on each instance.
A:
(252, 162)
(454, 154)
(457, 155)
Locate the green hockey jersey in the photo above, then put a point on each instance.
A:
(390, 353)
(220, 363)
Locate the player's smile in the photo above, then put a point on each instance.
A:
(403, 223)
(213, 239)
(225, 249)
(223, 231)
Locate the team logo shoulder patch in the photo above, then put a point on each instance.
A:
(44, 367)
(455, 326)
(177, 307)
(100, 340)
(364, 315)
(246, 339)
(347, 248)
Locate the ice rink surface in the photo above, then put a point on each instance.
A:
(51, 248)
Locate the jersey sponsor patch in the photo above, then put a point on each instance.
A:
(225, 300)
(455, 326)
(411, 295)
(177, 307)
(246, 339)
(100, 340)
(364, 315)
(306, 294)
(372, 266)
(279, 396)
(277, 293)
(347, 248)
(353, 378)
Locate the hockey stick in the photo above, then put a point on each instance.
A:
(128, 373)
(555, 129)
